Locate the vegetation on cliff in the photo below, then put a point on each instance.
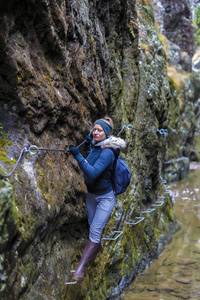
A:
(64, 64)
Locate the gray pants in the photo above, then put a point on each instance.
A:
(99, 209)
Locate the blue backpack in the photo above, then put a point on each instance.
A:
(121, 175)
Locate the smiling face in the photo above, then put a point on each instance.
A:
(98, 133)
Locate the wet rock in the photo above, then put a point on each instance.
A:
(8, 215)
(185, 261)
(63, 65)
(174, 52)
(8, 229)
(163, 270)
(196, 61)
(179, 57)
(184, 280)
(176, 169)
(183, 296)
(173, 25)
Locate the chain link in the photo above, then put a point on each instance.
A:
(33, 149)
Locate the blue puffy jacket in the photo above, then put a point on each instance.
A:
(98, 165)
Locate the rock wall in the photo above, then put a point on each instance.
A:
(64, 64)
(177, 33)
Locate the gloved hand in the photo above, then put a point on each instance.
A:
(74, 151)
(88, 140)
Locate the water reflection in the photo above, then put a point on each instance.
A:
(176, 274)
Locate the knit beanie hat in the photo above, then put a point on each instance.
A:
(106, 127)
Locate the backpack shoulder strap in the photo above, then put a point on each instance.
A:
(115, 154)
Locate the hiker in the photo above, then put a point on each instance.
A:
(101, 199)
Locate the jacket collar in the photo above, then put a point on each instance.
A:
(111, 142)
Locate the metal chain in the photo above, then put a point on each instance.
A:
(24, 150)
(163, 131)
(33, 150)
(130, 127)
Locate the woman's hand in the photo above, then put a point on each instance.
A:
(88, 140)
(74, 151)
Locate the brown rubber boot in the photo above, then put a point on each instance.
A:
(89, 252)
(99, 249)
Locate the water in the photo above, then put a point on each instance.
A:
(176, 274)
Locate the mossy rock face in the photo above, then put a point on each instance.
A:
(176, 169)
(183, 113)
(65, 64)
(8, 229)
(8, 215)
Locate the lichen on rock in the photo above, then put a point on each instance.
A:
(63, 65)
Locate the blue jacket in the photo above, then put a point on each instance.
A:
(98, 165)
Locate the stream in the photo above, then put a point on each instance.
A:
(176, 273)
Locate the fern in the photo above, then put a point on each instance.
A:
(131, 31)
(197, 16)
(197, 23)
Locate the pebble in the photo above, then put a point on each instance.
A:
(197, 279)
(183, 280)
(185, 261)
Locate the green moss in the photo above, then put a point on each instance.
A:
(197, 23)
(20, 178)
(5, 144)
(122, 257)
(8, 161)
(2, 158)
(27, 234)
(8, 212)
(170, 214)
(131, 31)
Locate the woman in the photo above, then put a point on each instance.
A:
(100, 200)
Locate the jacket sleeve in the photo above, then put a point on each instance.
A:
(105, 159)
